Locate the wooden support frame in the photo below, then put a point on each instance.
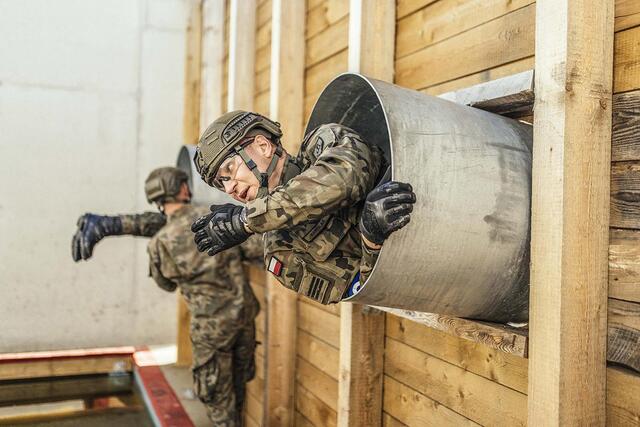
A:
(212, 67)
(286, 105)
(570, 212)
(190, 135)
(242, 41)
(371, 52)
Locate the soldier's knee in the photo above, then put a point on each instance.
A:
(212, 381)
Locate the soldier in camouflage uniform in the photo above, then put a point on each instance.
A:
(222, 304)
(323, 216)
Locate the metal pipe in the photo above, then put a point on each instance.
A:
(466, 250)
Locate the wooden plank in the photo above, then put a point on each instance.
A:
(625, 195)
(261, 103)
(312, 4)
(319, 323)
(263, 36)
(192, 82)
(405, 7)
(318, 76)
(329, 308)
(477, 398)
(510, 96)
(241, 55)
(253, 408)
(313, 409)
(482, 76)
(250, 422)
(501, 337)
(389, 421)
(624, 333)
(324, 387)
(263, 58)
(325, 15)
(626, 66)
(262, 81)
(623, 398)
(415, 409)
(627, 14)
(448, 18)
(257, 274)
(318, 353)
(495, 365)
(263, 15)
(255, 387)
(570, 212)
(301, 421)
(260, 366)
(470, 52)
(625, 137)
(624, 264)
(64, 367)
(212, 61)
(327, 43)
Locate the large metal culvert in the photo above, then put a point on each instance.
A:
(466, 250)
(201, 193)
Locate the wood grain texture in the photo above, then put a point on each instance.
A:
(447, 18)
(327, 43)
(325, 15)
(625, 195)
(415, 409)
(301, 421)
(501, 337)
(318, 353)
(624, 333)
(477, 398)
(253, 408)
(570, 212)
(324, 387)
(470, 52)
(405, 7)
(313, 409)
(319, 323)
(495, 365)
(389, 421)
(626, 66)
(192, 70)
(627, 14)
(623, 398)
(212, 61)
(625, 135)
(624, 264)
(319, 75)
(65, 367)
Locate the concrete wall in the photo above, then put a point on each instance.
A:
(90, 101)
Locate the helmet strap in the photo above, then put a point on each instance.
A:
(263, 177)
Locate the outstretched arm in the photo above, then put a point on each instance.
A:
(93, 228)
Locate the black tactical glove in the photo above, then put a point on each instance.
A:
(386, 209)
(91, 229)
(222, 229)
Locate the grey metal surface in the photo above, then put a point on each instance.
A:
(466, 250)
(202, 194)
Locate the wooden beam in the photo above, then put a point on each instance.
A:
(372, 27)
(570, 212)
(242, 39)
(285, 106)
(212, 69)
(190, 135)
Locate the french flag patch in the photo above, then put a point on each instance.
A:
(275, 266)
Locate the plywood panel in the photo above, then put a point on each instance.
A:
(492, 364)
(625, 195)
(327, 43)
(626, 60)
(470, 52)
(471, 395)
(319, 323)
(323, 386)
(318, 353)
(448, 18)
(313, 409)
(415, 409)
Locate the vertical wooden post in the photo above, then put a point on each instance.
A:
(242, 41)
(190, 135)
(286, 105)
(570, 212)
(371, 52)
(212, 70)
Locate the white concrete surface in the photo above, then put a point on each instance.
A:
(90, 102)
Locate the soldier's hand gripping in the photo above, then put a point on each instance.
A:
(386, 209)
(222, 229)
(91, 229)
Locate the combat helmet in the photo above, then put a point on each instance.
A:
(229, 135)
(163, 184)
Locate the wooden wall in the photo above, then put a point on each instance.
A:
(225, 80)
(255, 388)
(263, 58)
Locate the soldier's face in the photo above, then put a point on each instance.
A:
(236, 178)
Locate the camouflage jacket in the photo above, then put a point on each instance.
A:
(310, 223)
(216, 288)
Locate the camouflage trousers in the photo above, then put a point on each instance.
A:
(220, 382)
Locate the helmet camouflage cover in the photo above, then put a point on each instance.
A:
(163, 184)
(225, 136)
